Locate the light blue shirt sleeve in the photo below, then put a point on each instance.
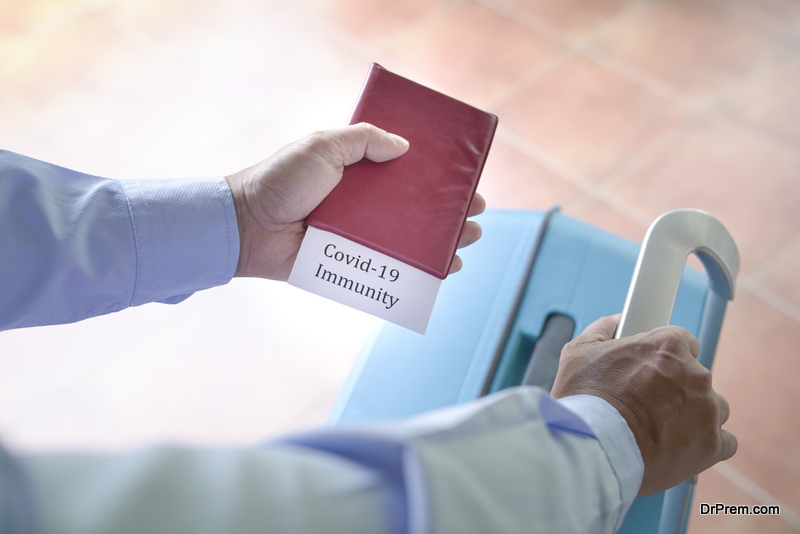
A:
(514, 462)
(618, 442)
(74, 246)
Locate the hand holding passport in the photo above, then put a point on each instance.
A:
(274, 197)
(384, 237)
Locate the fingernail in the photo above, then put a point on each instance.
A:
(399, 140)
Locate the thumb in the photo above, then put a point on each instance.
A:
(366, 140)
(601, 330)
(383, 146)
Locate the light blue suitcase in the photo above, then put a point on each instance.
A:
(532, 282)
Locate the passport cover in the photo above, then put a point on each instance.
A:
(412, 208)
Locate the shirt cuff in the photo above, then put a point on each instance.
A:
(186, 236)
(617, 441)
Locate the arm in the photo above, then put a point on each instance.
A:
(505, 463)
(75, 246)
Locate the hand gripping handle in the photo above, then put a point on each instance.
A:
(651, 297)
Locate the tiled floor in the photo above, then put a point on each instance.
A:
(615, 109)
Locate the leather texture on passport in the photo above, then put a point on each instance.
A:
(412, 208)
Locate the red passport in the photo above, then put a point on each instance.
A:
(412, 208)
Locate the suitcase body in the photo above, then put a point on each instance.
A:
(489, 317)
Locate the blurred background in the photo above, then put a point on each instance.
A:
(617, 110)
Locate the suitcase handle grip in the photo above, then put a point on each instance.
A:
(651, 297)
(667, 244)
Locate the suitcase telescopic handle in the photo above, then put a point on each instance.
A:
(651, 297)
(667, 244)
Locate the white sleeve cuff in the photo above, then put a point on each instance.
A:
(617, 441)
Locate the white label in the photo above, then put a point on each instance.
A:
(349, 273)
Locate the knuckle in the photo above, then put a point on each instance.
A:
(701, 380)
(316, 141)
(361, 128)
(327, 145)
(709, 445)
(673, 340)
(669, 341)
(366, 130)
(709, 414)
(715, 446)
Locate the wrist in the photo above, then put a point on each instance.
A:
(237, 192)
